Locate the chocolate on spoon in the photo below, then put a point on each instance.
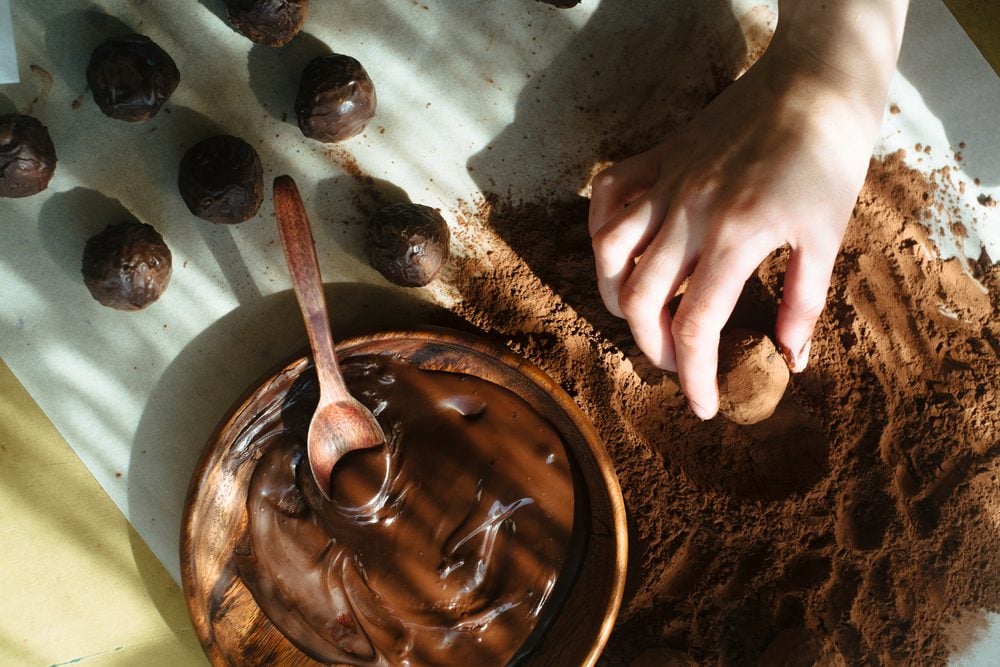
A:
(341, 423)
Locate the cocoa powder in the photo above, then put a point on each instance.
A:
(860, 521)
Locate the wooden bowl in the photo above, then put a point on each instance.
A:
(234, 630)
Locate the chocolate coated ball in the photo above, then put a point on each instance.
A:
(27, 156)
(408, 243)
(752, 376)
(268, 22)
(336, 98)
(221, 180)
(127, 266)
(131, 77)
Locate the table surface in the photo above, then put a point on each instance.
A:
(80, 585)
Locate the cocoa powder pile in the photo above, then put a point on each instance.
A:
(857, 524)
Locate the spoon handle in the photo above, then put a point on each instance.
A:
(300, 253)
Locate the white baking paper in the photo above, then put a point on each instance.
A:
(491, 94)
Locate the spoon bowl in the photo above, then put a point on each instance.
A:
(336, 429)
(341, 423)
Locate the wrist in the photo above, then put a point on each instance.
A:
(847, 47)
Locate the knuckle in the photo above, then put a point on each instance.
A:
(686, 329)
(805, 310)
(607, 242)
(601, 240)
(633, 300)
(604, 181)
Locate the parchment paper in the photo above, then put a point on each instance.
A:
(472, 95)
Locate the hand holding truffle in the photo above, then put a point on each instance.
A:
(341, 423)
(778, 158)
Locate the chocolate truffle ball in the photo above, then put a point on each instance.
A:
(268, 22)
(127, 266)
(221, 180)
(407, 243)
(27, 156)
(752, 376)
(131, 77)
(336, 98)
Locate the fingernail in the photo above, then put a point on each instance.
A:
(802, 358)
(699, 411)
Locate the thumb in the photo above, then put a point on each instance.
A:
(807, 280)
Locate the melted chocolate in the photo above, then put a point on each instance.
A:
(453, 544)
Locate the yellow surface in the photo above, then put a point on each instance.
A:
(79, 585)
(981, 21)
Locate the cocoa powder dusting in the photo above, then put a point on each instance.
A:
(856, 525)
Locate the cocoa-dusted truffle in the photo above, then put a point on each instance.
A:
(336, 98)
(127, 266)
(221, 180)
(27, 156)
(131, 77)
(268, 22)
(752, 376)
(408, 243)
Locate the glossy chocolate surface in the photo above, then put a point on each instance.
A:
(131, 77)
(268, 22)
(27, 156)
(221, 180)
(127, 266)
(407, 243)
(452, 545)
(336, 98)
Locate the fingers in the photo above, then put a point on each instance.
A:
(709, 300)
(619, 242)
(624, 215)
(654, 280)
(807, 280)
(619, 185)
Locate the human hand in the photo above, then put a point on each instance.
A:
(778, 158)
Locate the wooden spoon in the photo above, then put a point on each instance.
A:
(341, 423)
